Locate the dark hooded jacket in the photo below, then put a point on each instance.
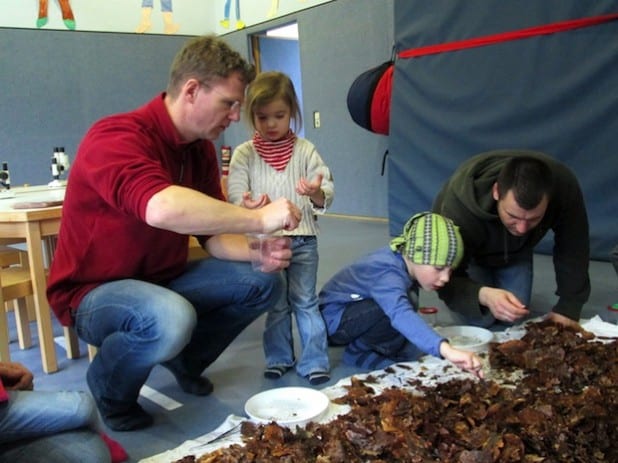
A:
(467, 199)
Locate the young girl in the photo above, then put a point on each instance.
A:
(273, 164)
(370, 305)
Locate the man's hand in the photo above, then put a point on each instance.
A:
(281, 214)
(277, 254)
(16, 377)
(503, 304)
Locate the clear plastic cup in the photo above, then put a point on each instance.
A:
(260, 247)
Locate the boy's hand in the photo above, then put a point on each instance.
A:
(465, 360)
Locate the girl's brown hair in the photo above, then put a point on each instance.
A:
(268, 87)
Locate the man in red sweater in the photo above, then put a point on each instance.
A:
(142, 182)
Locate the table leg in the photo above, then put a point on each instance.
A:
(43, 314)
(71, 342)
(5, 354)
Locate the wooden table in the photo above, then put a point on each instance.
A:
(38, 228)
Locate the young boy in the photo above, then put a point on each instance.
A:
(370, 305)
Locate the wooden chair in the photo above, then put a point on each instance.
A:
(195, 250)
(15, 285)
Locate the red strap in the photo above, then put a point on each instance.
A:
(506, 36)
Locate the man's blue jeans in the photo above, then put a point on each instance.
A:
(301, 299)
(137, 325)
(52, 427)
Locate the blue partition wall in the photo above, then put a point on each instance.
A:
(556, 93)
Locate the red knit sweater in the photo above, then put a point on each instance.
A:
(122, 162)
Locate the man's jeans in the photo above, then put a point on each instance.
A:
(137, 325)
(50, 426)
(301, 299)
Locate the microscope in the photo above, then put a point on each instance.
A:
(59, 166)
(5, 177)
(5, 182)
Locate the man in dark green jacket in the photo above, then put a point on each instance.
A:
(505, 202)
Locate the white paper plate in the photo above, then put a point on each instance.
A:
(471, 338)
(287, 406)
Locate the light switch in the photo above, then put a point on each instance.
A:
(316, 119)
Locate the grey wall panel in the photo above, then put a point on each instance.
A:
(55, 84)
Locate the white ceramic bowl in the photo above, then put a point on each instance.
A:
(471, 338)
(288, 406)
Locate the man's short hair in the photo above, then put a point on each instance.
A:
(207, 58)
(530, 179)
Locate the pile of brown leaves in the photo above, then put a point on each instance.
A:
(563, 410)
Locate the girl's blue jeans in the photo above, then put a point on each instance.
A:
(56, 427)
(299, 297)
(137, 325)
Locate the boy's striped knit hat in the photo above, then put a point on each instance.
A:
(430, 239)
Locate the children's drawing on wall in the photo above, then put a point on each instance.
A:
(225, 22)
(65, 8)
(169, 26)
(274, 8)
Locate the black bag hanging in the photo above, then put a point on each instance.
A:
(369, 98)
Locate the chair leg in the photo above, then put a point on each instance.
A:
(23, 261)
(24, 335)
(72, 342)
(31, 309)
(92, 351)
(5, 355)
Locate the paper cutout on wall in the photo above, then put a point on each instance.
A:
(65, 8)
(187, 17)
(167, 11)
(225, 22)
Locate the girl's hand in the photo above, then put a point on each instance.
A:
(312, 189)
(465, 360)
(250, 203)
